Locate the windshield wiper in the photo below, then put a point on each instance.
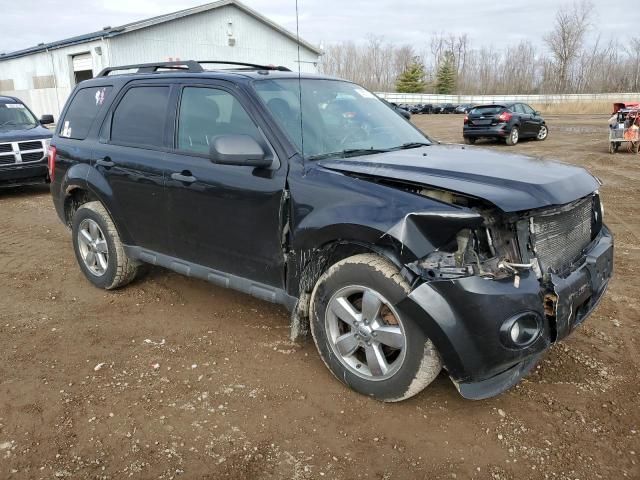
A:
(407, 146)
(10, 122)
(349, 152)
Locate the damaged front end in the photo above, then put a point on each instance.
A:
(504, 286)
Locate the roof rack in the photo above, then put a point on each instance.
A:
(243, 64)
(187, 65)
(191, 66)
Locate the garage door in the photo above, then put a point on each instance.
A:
(82, 62)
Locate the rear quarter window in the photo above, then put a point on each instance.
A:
(83, 111)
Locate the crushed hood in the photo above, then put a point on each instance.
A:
(512, 182)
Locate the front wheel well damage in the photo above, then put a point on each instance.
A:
(307, 266)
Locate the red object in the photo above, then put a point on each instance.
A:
(52, 161)
(466, 119)
(505, 116)
(621, 105)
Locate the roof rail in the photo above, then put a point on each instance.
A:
(243, 64)
(191, 66)
(187, 66)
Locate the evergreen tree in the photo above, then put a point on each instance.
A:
(412, 79)
(446, 77)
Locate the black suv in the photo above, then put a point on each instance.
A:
(403, 256)
(510, 122)
(23, 144)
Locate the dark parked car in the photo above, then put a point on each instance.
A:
(403, 256)
(511, 122)
(399, 110)
(444, 108)
(426, 108)
(448, 108)
(23, 144)
(464, 108)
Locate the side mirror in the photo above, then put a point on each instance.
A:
(241, 150)
(536, 113)
(47, 119)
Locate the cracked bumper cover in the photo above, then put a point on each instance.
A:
(463, 318)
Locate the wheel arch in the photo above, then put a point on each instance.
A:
(83, 184)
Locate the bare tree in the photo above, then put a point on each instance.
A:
(566, 40)
(571, 64)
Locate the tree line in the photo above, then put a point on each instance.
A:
(566, 63)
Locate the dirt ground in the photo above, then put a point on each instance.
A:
(173, 377)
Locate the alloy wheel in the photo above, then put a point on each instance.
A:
(93, 247)
(365, 333)
(542, 134)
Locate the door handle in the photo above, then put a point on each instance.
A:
(184, 176)
(105, 162)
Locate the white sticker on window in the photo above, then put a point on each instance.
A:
(66, 130)
(14, 105)
(363, 93)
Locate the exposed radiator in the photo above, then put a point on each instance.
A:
(560, 237)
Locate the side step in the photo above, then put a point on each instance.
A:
(222, 279)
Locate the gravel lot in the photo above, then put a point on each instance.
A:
(173, 377)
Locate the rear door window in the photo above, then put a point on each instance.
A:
(83, 111)
(527, 109)
(139, 119)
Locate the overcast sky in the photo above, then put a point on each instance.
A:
(26, 23)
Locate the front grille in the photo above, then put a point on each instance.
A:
(30, 146)
(7, 159)
(561, 237)
(5, 147)
(32, 156)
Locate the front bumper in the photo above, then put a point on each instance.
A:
(463, 318)
(23, 174)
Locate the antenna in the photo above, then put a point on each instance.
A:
(300, 88)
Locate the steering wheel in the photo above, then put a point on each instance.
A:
(362, 134)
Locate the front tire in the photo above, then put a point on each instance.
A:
(514, 136)
(98, 248)
(543, 133)
(362, 337)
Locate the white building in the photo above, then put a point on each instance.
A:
(43, 76)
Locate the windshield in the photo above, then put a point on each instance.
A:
(338, 118)
(16, 116)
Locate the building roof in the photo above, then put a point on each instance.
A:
(149, 22)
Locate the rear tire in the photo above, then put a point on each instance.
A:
(98, 248)
(360, 335)
(612, 147)
(514, 136)
(636, 147)
(469, 140)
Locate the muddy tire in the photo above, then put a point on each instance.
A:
(514, 136)
(361, 336)
(612, 147)
(636, 147)
(469, 140)
(98, 248)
